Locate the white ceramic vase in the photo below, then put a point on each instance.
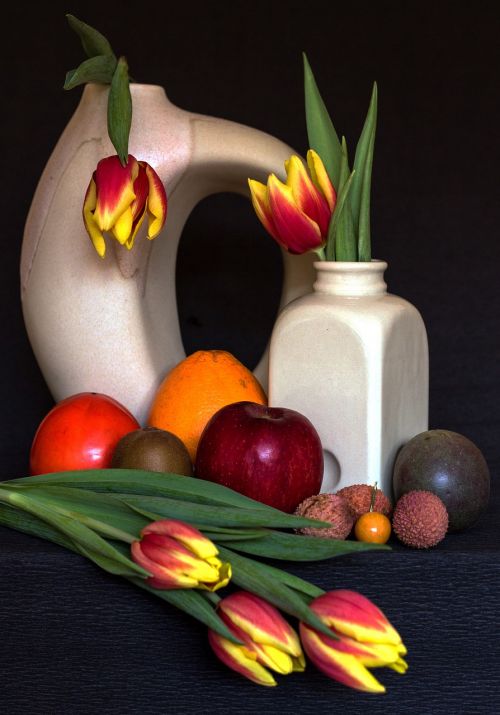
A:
(354, 360)
(112, 325)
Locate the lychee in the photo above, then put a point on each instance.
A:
(327, 507)
(358, 497)
(420, 519)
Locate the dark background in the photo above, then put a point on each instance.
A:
(435, 214)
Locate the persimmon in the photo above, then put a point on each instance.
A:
(80, 432)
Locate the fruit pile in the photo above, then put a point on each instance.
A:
(210, 418)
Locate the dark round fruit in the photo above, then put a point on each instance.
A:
(450, 466)
(152, 449)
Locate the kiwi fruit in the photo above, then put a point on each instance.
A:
(154, 450)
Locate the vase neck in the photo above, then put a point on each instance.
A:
(146, 94)
(350, 279)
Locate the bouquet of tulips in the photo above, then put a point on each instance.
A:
(183, 539)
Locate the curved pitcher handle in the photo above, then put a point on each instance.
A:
(225, 155)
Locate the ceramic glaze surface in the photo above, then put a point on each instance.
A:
(354, 360)
(111, 325)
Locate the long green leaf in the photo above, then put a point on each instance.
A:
(103, 507)
(361, 190)
(251, 576)
(120, 110)
(29, 524)
(218, 516)
(295, 547)
(138, 481)
(332, 228)
(346, 244)
(320, 130)
(98, 69)
(93, 42)
(81, 536)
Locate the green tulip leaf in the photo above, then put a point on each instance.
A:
(92, 41)
(251, 576)
(320, 130)
(138, 481)
(162, 508)
(83, 504)
(361, 190)
(98, 69)
(346, 245)
(120, 110)
(332, 228)
(84, 538)
(295, 547)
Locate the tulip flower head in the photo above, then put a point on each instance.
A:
(296, 213)
(118, 199)
(178, 556)
(364, 639)
(269, 642)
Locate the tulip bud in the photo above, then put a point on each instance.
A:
(270, 643)
(118, 199)
(178, 556)
(296, 214)
(364, 639)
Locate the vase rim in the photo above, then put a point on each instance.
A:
(376, 264)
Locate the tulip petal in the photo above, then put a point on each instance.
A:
(320, 178)
(161, 577)
(123, 226)
(157, 201)
(345, 667)
(262, 622)
(260, 202)
(307, 197)
(168, 553)
(297, 232)
(93, 229)
(240, 659)
(115, 191)
(186, 534)
(356, 616)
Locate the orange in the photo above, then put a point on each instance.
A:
(196, 389)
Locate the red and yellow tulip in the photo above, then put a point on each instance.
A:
(365, 639)
(178, 556)
(269, 642)
(296, 213)
(118, 199)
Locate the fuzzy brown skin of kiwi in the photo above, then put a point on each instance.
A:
(449, 465)
(153, 449)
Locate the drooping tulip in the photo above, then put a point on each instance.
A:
(178, 556)
(118, 199)
(269, 642)
(364, 639)
(296, 213)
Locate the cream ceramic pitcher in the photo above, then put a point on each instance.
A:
(111, 325)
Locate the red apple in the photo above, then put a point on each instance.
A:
(271, 454)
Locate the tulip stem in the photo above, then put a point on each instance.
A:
(320, 252)
(211, 596)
